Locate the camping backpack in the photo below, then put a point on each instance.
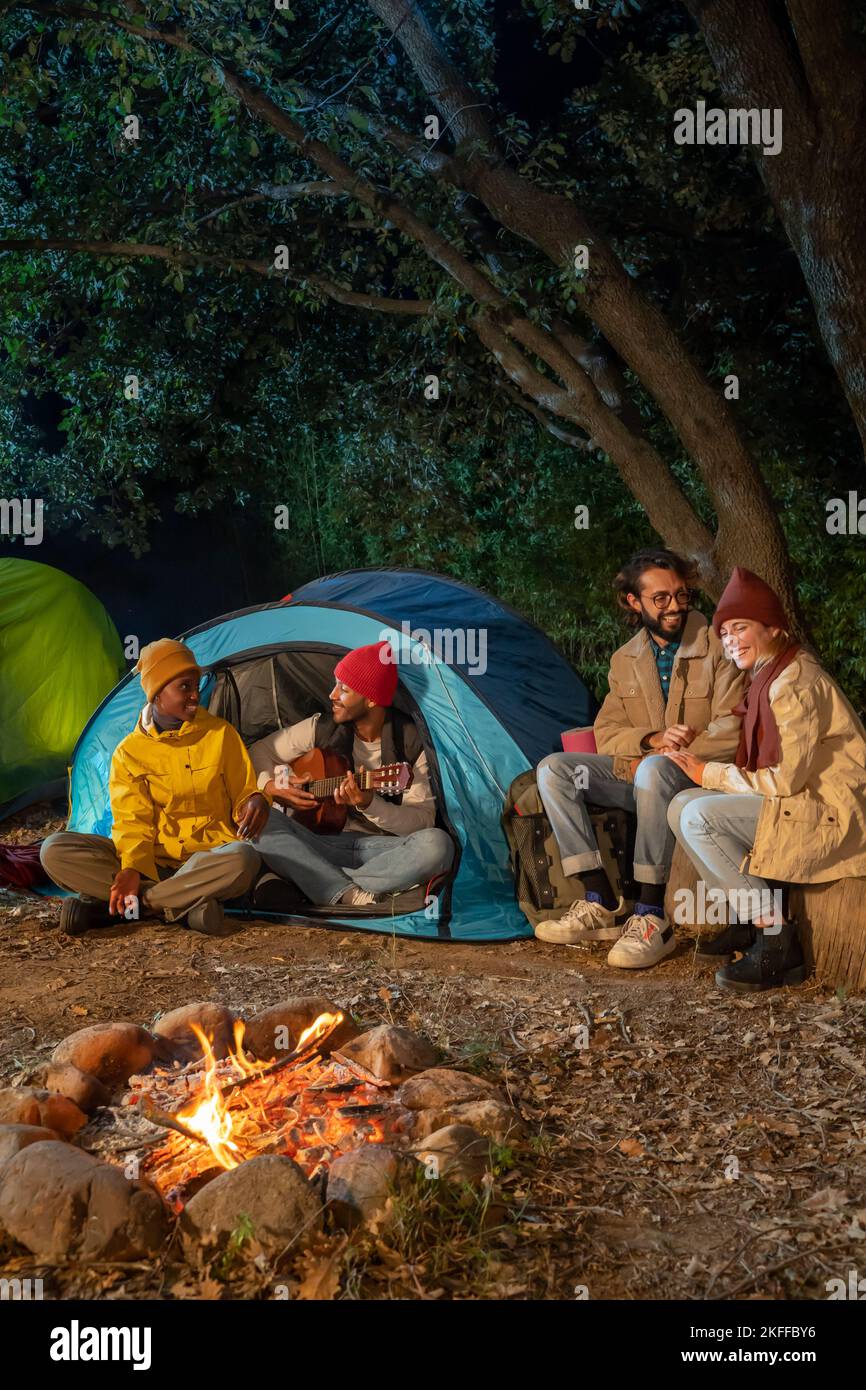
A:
(542, 889)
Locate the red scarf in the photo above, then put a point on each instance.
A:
(759, 736)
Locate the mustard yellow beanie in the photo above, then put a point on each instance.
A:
(161, 661)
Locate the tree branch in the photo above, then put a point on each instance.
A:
(277, 192)
(642, 469)
(137, 250)
(577, 441)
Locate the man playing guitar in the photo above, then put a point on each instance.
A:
(388, 844)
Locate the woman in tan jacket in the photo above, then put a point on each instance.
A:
(793, 804)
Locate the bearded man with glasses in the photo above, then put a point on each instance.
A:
(670, 687)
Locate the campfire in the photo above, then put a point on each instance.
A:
(291, 1117)
(218, 1114)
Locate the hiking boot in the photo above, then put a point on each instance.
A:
(80, 915)
(210, 919)
(646, 939)
(773, 960)
(739, 936)
(585, 920)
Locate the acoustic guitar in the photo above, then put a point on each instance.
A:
(326, 770)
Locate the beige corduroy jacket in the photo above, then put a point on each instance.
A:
(704, 688)
(812, 826)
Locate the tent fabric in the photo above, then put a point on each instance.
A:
(526, 680)
(59, 655)
(474, 756)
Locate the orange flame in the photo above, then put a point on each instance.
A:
(237, 1054)
(324, 1024)
(208, 1115)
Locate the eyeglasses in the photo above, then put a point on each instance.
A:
(683, 598)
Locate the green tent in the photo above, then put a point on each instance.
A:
(59, 657)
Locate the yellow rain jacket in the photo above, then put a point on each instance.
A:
(176, 792)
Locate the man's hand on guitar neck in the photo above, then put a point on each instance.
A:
(292, 794)
(349, 793)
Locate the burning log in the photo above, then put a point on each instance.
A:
(162, 1118)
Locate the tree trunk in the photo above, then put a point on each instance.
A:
(812, 69)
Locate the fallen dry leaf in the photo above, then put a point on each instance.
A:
(320, 1270)
(632, 1148)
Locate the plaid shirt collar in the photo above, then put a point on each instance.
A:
(664, 658)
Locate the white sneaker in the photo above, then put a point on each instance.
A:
(584, 921)
(357, 897)
(646, 939)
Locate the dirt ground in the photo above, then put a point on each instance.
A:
(702, 1145)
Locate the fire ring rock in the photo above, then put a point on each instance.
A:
(86, 1090)
(271, 1192)
(214, 1020)
(27, 1105)
(455, 1152)
(492, 1118)
(444, 1086)
(360, 1183)
(276, 1030)
(112, 1052)
(59, 1201)
(389, 1053)
(14, 1138)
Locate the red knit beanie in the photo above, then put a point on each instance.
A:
(371, 671)
(747, 596)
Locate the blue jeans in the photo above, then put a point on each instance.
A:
(717, 829)
(567, 781)
(324, 866)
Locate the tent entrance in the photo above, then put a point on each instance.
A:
(267, 688)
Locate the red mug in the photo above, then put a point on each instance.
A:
(579, 740)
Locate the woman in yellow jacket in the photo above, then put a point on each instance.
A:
(792, 806)
(185, 807)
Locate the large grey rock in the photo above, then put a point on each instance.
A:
(276, 1030)
(361, 1182)
(271, 1191)
(30, 1105)
(214, 1020)
(490, 1117)
(389, 1053)
(59, 1201)
(455, 1152)
(444, 1086)
(14, 1138)
(112, 1052)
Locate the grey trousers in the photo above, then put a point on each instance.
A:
(567, 781)
(717, 829)
(87, 864)
(324, 866)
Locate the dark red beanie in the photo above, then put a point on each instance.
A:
(371, 671)
(747, 596)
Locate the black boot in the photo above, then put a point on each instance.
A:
(775, 959)
(80, 915)
(739, 936)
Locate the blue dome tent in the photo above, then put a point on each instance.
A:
(483, 719)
